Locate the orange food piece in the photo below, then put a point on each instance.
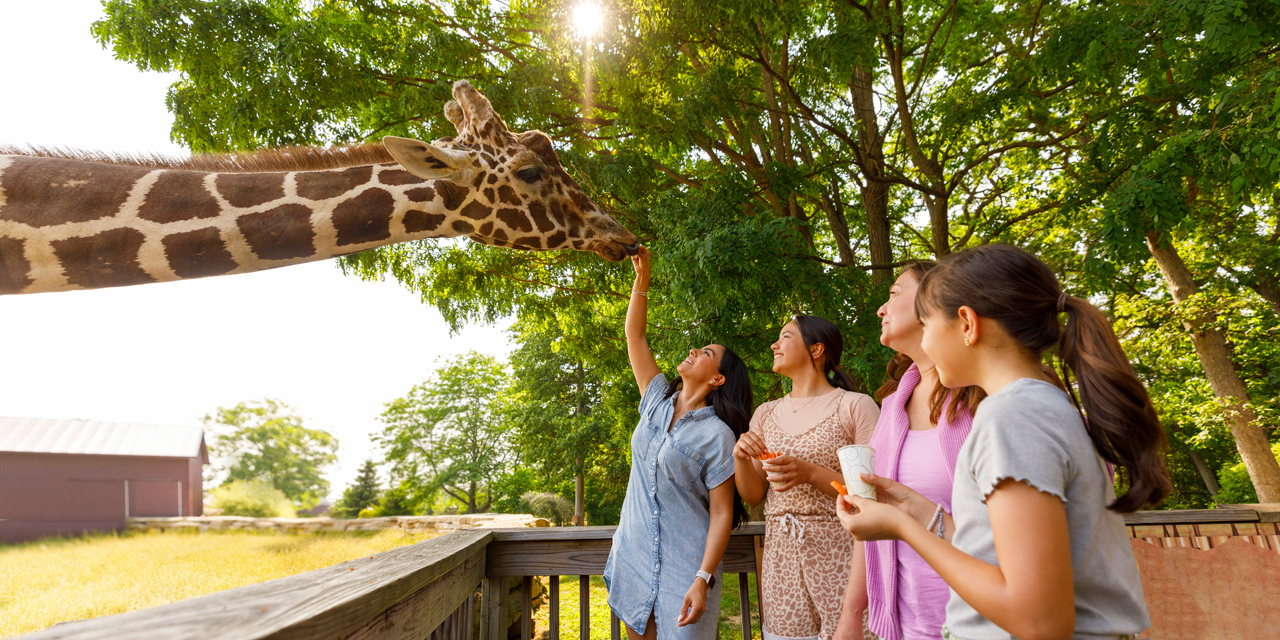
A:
(839, 488)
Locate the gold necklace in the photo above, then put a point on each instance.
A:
(792, 400)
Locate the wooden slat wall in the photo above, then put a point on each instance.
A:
(1205, 536)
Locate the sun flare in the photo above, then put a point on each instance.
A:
(587, 18)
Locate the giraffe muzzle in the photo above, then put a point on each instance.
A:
(632, 249)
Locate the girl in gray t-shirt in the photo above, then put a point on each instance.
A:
(1037, 546)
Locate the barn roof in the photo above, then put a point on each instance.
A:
(90, 437)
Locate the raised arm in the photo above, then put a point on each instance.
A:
(642, 363)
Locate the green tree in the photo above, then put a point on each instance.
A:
(362, 494)
(265, 440)
(252, 499)
(446, 435)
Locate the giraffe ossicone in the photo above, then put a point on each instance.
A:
(91, 220)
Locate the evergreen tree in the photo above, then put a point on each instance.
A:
(362, 494)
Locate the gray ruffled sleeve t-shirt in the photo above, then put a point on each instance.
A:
(1030, 431)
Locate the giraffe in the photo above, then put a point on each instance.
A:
(85, 221)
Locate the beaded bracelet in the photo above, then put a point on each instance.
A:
(937, 516)
(640, 293)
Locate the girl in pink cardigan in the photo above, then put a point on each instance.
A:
(917, 440)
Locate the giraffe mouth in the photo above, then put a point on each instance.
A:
(631, 249)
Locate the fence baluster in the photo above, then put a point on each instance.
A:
(526, 608)
(554, 631)
(744, 596)
(614, 632)
(584, 607)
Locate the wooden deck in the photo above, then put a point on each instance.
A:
(430, 590)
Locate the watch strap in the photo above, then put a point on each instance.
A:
(708, 578)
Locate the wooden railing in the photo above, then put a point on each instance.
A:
(430, 590)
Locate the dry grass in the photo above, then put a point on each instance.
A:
(50, 581)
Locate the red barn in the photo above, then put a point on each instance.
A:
(66, 477)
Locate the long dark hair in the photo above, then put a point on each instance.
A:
(940, 396)
(1017, 290)
(819, 330)
(732, 404)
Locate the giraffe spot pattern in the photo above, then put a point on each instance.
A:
(279, 234)
(14, 267)
(250, 189)
(364, 218)
(397, 177)
(475, 184)
(486, 229)
(556, 240)
(452, 194)
(107, 259)
(177, 196)
(416, 221)
(515, 220)
(488, 194)
(500, 235)
(421, 194)
(477, 211)
(82, 191)
(322, 185)
(539, 214)
(492, 179)
(197, 254)
(508, 195)
(463, 227)
(532, 242)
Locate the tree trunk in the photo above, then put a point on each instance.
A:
(1269, 289)
(1215, 360)
(1206, 474)
(875, 194)
(579, 497)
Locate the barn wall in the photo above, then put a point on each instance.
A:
(45, 494)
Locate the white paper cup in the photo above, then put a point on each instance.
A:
(857, 459)
(775, 485)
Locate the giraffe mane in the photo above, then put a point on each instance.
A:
(306, 158)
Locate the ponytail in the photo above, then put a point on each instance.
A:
(819, 330)
(1017, 290)
(1121, 421)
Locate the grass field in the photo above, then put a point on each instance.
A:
(53, 580)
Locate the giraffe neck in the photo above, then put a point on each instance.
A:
(68, 224)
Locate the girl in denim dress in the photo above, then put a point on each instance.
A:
(663, 572)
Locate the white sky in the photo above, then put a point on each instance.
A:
(335, 348)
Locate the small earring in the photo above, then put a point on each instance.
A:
(966, 342)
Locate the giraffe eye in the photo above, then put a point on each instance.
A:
(529, 174)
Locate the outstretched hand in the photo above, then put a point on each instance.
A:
(640, 261)
(870, 520)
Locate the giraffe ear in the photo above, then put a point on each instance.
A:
(432, 162)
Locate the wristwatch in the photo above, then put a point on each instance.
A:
(708, 578)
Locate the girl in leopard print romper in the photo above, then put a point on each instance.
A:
(807, 553)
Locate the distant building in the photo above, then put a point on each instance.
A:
(66, 477)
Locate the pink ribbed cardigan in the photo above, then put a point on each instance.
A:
(882, 555)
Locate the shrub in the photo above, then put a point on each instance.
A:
(551, 506)
(1237, 488)
(252, 498)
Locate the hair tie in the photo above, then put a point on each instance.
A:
(1062, 302)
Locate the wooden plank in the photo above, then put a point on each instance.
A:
(590, 533)
(428, 609)
(544, 557)
(491, 626)
(584, 607)
(1191, 516)
(526, 608)
(744, 601)
(554, 613)
(615, 633)
(326, 603)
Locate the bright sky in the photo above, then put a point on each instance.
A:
(334, 347)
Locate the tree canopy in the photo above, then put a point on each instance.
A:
(266, 441)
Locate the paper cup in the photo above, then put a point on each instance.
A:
(856, 459)
(775, 485)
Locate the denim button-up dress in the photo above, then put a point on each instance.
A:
(658, 547)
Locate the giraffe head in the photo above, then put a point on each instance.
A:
(511, 184)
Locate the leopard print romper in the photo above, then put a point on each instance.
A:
(807, 553)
